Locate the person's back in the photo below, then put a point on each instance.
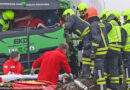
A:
(75, 23)
(50, 64)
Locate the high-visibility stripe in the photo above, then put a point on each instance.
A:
(114, 81)
(88, 59)
(101, 83)
(128, 36)
(84, 62)
(86, 31)
(63, 25)
(128, 50)
(113, 48)
(127, 80)
(105, 74)
(102, 49)
(91, 67)
(115, 45)
(95, 44)
(114, 78)
(121, 76)
(101, 53)
(77, 30)
(100, 79)
(103, 38)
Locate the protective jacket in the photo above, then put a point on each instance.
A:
(12, 67)
(50, 64)
(114, 36)
(77, 26)
(99, 37)
(4, 25)
(126, 27)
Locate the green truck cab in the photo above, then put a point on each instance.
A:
(31, 42)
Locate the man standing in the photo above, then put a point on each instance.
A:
(98, 48)
(114, 52)
(13, 66)
(50, 64)
(126, 48)
(74, 24)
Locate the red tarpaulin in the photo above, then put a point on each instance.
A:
(33, 85)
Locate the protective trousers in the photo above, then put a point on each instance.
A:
(87, 64)
(127, 68)
(120, 71)
(99, 73)
(112, 70)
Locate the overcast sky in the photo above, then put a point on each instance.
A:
(119, 5)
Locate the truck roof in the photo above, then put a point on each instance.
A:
(30, 4)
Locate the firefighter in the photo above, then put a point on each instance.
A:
(126, 48)
(82, 7)
(99, 46)
(13, 66)
(79, 27)
(114, 52)
(103, 19)
(4, 20)
(123, 39)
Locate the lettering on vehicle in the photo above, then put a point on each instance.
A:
(22, 40)
(21, 49)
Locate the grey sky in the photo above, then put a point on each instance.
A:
(119, 5)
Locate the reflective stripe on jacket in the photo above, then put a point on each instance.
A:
(5, 26)
(126, 27)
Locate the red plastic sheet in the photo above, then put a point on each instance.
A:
(33, 85)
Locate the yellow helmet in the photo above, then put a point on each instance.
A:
(116, 14)
(82, 7)
(68, 12)
(8, 15)
(126, 14)
(103, 14)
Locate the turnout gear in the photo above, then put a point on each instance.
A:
(114, 35)
(113, 55)
(99, 34)
(126, 48)
(4, 19)
(123, 38)
(97, 51)
(5, 26)
(78, 26)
